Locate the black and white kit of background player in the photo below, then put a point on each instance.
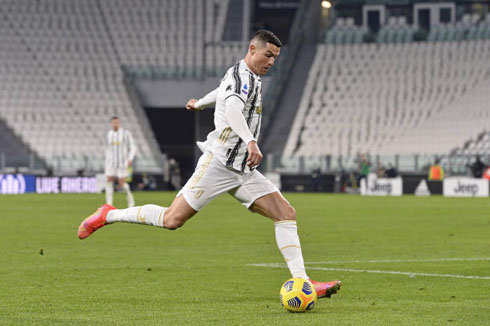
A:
(120, 151)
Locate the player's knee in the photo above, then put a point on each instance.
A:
(290, 213)
(286, 213)
(172, 223)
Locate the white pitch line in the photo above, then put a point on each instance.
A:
(410, 274)
(370, 261)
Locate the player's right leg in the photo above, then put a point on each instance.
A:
(171, 218)
(210, 179)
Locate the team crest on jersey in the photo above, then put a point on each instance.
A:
(245, 89)
(259, 109)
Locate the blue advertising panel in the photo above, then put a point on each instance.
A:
(74, 185)
(20, 184)
(17, 183)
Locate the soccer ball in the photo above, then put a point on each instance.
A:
(298, 295)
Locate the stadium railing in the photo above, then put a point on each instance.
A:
(452, 164)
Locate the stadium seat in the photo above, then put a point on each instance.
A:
(61, 69)
(393, 99)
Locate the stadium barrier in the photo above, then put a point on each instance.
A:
(11, 184)
(465, 187)
(17, 183)
(411, 183)
(374, 186)
(20, 184)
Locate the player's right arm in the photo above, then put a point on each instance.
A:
(236, 120)
(209, 99)
(237, 91)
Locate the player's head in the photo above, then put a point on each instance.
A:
(115, 123)
(263, 50)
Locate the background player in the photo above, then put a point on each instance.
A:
(119, 155)
(230, 156)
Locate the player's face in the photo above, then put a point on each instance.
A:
(263, 57)
(115, 124)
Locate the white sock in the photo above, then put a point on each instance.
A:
(288, 242)
(109, 192)
(129, 195)
(147, 214)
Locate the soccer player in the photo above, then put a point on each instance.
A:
(119, 155)
(228, 163)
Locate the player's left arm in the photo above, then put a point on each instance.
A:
(207, 100)
(132, 149)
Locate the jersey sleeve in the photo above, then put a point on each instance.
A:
(237, 84)
(107, 149)
(131, 146)
(207, 100)
(236, 119)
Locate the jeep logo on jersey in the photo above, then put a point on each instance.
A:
(245, 89)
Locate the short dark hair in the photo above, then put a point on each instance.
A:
(267, 36)
(114, 117)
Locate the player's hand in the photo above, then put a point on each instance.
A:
(130, 163)
(191, 105)
(254, 155)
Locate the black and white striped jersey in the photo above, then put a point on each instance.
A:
(119, 149)
(223, 142)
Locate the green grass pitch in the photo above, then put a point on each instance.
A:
(201, 274)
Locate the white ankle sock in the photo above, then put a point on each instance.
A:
(147, 214)
(109, 192)
(288, 242)
(129, 195)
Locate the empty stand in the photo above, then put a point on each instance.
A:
(62, 65)
(387, 99)
(396, 31)
(345, 32)
(62, 82)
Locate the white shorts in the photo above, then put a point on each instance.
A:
(119, 173)
(211, 179)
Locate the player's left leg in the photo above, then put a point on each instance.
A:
(122, 184)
